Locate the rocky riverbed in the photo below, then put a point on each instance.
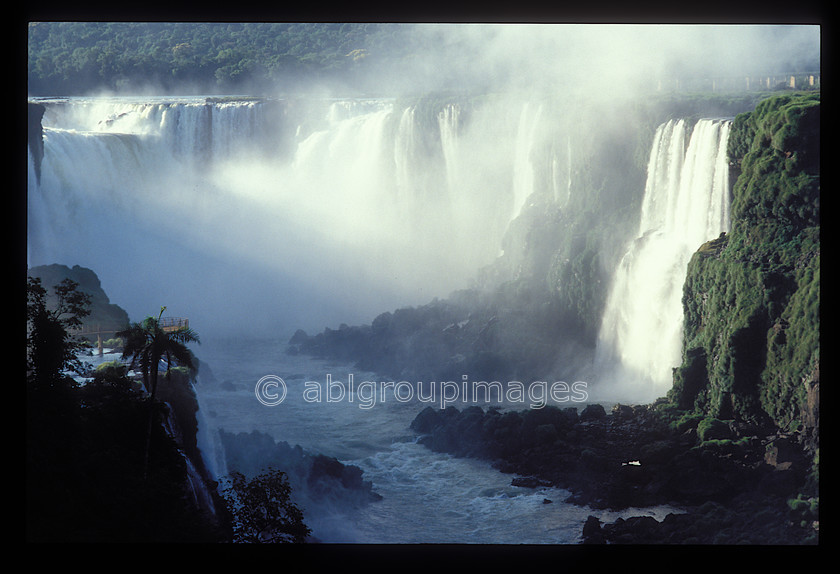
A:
(738, 484)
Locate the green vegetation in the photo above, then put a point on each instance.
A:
(102, 314)
(50, 350)
(211, 57)
(101, 464)
(147, 343)
(263, 511)
(711, 428)
(84, 443)
(751, 298)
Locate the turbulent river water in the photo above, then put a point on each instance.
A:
(427, 497)
(263, 216)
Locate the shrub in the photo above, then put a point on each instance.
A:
(711, 428)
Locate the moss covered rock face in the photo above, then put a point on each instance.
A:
(751, 297)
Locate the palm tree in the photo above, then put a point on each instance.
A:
(147, 343)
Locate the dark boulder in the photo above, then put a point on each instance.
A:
(593, 412)
(426, 421)
(529, 482)
(592, 533)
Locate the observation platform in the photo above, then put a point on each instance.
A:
(167, 324)
(170, 324)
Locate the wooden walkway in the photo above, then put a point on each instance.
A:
(168, 324)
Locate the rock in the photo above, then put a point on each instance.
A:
(780, 453)
(634, 530)
(592, 413)
(657, 452)
(425, 421)
(594, 460)
(299, 337)
(623, 412)
(35, 134)
(529, 482)
(713, 429)
(592, 533)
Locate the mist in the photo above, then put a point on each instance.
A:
(534, 191)
(604, 61)
(323, 235)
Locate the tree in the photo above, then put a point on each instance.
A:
(53, 413)
(262, 510)
(147, 343)
(51, 349)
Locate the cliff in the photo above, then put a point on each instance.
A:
(535, 310)
(88, 478)
(737, 438)
(103, 313)
(751, 297)
(35, 135)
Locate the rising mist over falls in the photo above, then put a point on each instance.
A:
(259, 217)
(347, 207)
(454, 283)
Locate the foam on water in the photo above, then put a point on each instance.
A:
(428, 497)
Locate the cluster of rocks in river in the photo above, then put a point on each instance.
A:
(732, 480)
(321, 485)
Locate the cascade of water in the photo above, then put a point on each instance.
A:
(569, 168)
(207, 438)
(448, 120)
(523, 169)
(685, 204)
(561, 174)
(405, 148)
(365, 193)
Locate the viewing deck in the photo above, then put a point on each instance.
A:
(168, 324)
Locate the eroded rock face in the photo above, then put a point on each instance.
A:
(103, 314)
(35, 135)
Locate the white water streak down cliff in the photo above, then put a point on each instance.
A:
(686, 203)
(187, 202)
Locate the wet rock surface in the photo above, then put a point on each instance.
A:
(734, 490)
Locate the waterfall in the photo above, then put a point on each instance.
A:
(686, 203)
(523, 168)
(448, 120)
(209, 443)
(368, 207)
(561, 176)
(405, 148)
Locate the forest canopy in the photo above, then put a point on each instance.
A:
(394, 59)
(79, 57)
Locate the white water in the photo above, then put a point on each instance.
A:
(686, 203)
(178, 203)
(428, 497)
(367, 210)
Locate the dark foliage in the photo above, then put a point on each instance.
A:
(85, 446)
(263, 511)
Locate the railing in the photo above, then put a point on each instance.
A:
(752, 82)
(98, 331)
(170, 324)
